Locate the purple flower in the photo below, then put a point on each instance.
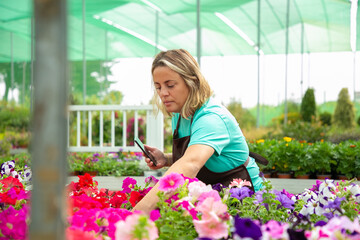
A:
(246, 228)
(218, 187)
(96, 154)
(285, 201)
(335, 204)
(241, 193)
(7, 167)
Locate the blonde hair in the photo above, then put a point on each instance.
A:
(181, 62)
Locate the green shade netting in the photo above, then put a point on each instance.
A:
(118, 29)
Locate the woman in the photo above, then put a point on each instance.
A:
(207, 141)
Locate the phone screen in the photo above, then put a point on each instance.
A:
(142, 147)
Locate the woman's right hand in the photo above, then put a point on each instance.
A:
(158, 155)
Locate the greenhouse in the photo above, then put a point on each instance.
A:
(67, 150)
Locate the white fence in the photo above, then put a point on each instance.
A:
(84, 116)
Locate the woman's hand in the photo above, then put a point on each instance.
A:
(158, 155)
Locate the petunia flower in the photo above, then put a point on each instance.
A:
(238, 182)
(128, 184)
(170, 182)
(136, 226)
(241, 193)
(246, 228)
(274, 230)
(211, 228)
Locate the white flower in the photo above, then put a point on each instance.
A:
(355, 190)
(312, 207)
(327, 187)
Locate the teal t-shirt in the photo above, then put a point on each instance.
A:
(215, 126)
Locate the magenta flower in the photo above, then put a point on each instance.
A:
(128, 184)
(170, 182)
(155, 215)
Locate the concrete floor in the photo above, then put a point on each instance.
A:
(291, 185)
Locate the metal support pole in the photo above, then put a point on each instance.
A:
(32, 64)
(49, 119)
(354, 75)
(156, 31)
(198, 32)
(23, 83)
(84, 62)
(286, 59)
(302, 60)
(12, 65)
(258, 65)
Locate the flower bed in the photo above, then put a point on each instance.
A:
(189, 209)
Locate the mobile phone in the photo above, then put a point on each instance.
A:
(141, 146)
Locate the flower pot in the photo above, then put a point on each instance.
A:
(343, 177)
(284, 175)
(323, 176)
(92, 173)
(306, 176)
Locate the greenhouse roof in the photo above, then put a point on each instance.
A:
(120, 28)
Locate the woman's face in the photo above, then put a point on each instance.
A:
(171, 88)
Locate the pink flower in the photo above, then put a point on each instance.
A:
(275, 230)
(75, 234)
(211, 208)
(211, 228)
(170, 182)
(238, 182)
(129, 229)
(197, 188)
(211, 194)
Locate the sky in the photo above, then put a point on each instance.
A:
(236, 78)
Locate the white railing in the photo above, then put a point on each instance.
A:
(154, 127)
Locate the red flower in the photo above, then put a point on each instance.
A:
(87, 181)
(118, 199)
(11, 182)
(135, 197)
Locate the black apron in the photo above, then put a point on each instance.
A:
(205, 175)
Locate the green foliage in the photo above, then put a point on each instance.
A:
(358, 121)
(344, 115)
(302, 157)
(347, 158)
(17, 139)
(308, 106)
(106, 164)
(292, 117)
(336, 135)
(242, 115)
(325, 118)
(310, 132)
(5, 147)
(14, 117)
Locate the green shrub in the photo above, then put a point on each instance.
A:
(310, 132)
(5, 147)
(325, 118)
(339, 135)
(308, 106)
(344, 115)
(358, 121)
(15, 118)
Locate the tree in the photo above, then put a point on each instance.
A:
(344, 115)
(308, 106)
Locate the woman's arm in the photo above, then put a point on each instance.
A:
(189, 165)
